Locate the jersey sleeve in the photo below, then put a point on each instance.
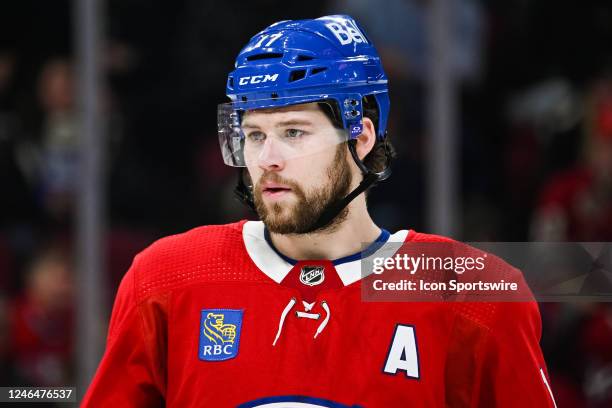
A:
(127, 375)
(513, 368)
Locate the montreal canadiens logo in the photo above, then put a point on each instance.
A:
(294, 401)
(312, 275)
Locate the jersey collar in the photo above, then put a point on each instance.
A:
(276, 265)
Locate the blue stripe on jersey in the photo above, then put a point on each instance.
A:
(373, 247)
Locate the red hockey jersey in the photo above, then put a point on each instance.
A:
(216, 317)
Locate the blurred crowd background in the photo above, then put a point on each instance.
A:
(534, 83)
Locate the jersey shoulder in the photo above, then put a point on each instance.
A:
(485, 314)
(212, 253)
(495, 266)
(415, 236)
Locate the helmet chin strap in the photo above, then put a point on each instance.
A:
(370, 178)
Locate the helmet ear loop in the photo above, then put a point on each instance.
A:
(367, 173)
(243, 190)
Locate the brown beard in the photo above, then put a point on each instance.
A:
(299, 218)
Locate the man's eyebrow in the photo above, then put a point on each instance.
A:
(290, 122)
(249, 125)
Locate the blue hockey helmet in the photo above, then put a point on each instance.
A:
(300, 61)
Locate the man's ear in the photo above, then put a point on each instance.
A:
(365, 141)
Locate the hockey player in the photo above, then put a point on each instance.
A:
(270, 313)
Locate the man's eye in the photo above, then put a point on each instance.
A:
(294, 133)
(256, 136)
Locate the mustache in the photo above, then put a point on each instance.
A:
(276, 178)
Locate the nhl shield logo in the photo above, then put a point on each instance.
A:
(312, 275)
(219, 334)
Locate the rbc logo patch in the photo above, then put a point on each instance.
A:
(219, 334)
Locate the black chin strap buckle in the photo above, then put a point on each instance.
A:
(243, 192)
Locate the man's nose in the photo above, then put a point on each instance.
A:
(270, 157)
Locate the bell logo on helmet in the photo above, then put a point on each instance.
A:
(258, 79)
(347, 33)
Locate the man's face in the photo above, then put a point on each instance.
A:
(298, 164)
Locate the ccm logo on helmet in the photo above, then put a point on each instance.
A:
(257, 79)
(347, 33)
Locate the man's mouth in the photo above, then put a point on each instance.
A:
(275, 190)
